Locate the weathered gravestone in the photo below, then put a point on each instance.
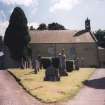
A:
(77, 64)
(69, 65)
(62, 66)
(52, 70)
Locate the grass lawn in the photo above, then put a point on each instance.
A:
(52, 91)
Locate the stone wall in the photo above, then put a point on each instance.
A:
(86, 52)
(101, 52)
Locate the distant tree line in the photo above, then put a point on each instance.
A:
(100, 35)
(51, 26)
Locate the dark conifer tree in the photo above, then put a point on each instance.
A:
(17, 36)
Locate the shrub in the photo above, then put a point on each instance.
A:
(93, 66)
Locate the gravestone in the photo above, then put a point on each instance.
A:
(62, 66)
(52, 71)
(77, 64)
(69, 65)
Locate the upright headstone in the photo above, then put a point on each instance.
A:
(52, 71)
(62, 66)
(77, 64)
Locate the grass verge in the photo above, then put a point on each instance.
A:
(50, 92)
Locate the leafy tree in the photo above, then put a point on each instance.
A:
(100, 35)
(55, 26)
(42, 26)
(51, 26)
(32, 28)
(17, 36)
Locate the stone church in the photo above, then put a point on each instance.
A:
(77, 44)
(80, 44)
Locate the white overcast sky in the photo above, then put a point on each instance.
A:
(70, 13)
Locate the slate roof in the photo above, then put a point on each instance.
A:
(60, 36)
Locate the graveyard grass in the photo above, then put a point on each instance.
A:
(49, 92)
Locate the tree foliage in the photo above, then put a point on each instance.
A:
(55, 26)
(17, 36)
(42, 26)
(51, 26)
(32, 28)
(100, 35)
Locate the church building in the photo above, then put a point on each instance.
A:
(77, 44)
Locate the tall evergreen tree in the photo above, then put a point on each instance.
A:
(17, 36)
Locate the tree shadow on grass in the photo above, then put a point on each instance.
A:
(96, 83)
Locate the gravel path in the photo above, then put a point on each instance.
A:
(94, 91)
(11, 92)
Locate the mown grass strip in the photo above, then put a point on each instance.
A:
(50, 92)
